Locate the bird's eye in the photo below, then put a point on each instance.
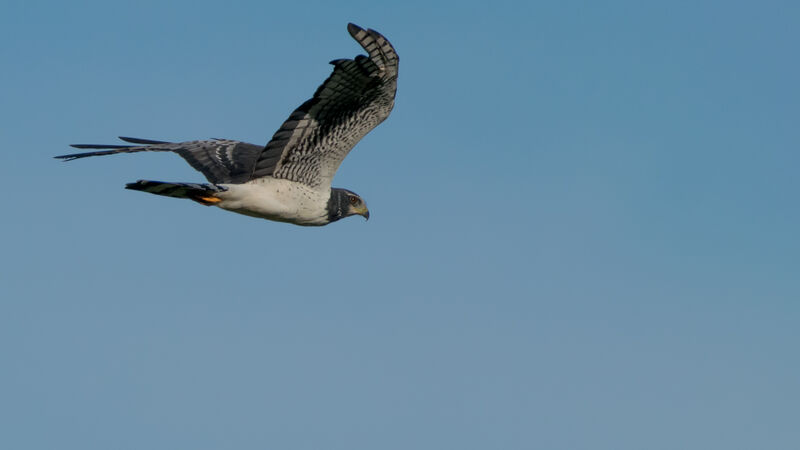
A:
(353, 200)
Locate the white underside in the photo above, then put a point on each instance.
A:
(276, 199)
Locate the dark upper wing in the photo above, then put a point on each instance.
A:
(311, 144)
(358, 95)
(220, 160)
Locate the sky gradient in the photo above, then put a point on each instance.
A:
(583, 231)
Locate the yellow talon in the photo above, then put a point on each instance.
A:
(211, 199)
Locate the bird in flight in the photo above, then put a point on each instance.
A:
(289, 179)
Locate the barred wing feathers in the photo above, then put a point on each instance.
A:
(311, 144)
(220, 160)
(359, 95)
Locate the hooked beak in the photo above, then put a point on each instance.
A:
(361, 210)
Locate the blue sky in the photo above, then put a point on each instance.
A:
(583, 233)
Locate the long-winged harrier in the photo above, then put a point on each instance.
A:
(289, 179)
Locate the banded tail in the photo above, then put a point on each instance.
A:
(205, 194)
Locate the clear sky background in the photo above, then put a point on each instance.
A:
(584, 231)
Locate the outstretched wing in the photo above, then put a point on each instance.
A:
(311, 144)
(359, 95)
(220, 160)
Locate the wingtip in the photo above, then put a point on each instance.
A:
(353, 29)
(99, 146)
(140, 141)
(137, 185)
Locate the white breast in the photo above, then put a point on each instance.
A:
(276, 199)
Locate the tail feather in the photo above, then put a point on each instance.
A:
(205, 194)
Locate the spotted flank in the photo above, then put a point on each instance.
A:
(205, 194)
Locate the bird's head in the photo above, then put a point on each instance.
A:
(344, 203)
